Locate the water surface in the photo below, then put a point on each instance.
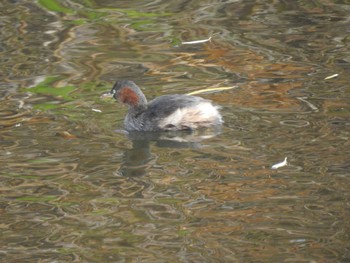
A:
(74, 189)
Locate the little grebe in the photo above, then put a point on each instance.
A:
(164, 113)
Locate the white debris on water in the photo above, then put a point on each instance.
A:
(331, 76)
(196, 41)
(279, 165)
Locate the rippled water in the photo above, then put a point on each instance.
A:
(75, 189)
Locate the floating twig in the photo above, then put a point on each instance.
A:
(66, 135)
(210, 90)
(303, 99)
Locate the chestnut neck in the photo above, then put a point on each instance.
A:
(127, 92)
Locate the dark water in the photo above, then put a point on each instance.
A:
(75, 190)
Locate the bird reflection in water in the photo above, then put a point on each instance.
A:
(137, 159)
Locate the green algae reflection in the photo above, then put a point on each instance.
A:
(143, 21)
(47, 87)
(55, 6)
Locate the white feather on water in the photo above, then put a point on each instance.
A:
(196, 41)
(279, 165)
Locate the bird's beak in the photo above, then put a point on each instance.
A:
(107, 95)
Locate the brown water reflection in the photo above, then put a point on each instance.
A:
(75, 190)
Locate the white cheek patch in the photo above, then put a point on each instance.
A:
(202, 115)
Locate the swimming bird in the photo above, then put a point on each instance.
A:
(165, 113)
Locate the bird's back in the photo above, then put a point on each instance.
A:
(180, 112)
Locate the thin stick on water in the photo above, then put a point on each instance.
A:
(303, 99)
(210, 90)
